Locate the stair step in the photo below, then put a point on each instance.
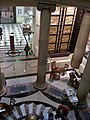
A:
(39, 109)
(20, 112)
(32, 108)
(16, 114)
(22, 107)
(47, 110)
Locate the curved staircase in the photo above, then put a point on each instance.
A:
(24, 111)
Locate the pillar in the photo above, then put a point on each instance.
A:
(12, 47)
(36, 25)
(2, 83)
(84, 86)
(81, 41)
(45, 17)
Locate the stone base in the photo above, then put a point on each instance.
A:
(40, 87)
(82, 106)
(3, 91)
(83, 114)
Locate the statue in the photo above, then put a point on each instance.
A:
(62, 112)
(5, 110)
(55, 71)
(73, 81)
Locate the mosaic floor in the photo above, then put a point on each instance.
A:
(19, 39)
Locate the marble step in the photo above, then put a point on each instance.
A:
(16, 113)
(40, 108)
(71, 115)
(32, 108)
(47, 110)
(23, 111)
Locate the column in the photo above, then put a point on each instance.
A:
(12, 47)
(84, 86)
(2, 83)
(45, 17)
(81, 41)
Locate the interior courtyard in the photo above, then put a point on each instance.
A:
(55, 69)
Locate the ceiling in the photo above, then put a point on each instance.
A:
(85, 4)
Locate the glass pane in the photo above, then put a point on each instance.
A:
(65, 38)
(54, 20)
(24, 14)
(63, 46)
(70, 10)
(56, 11)
(52, 39)
(53, 30)
(67, 29)
(68, 20)
(51, 46)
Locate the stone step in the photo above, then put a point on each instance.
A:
(16, 113)
(71, 115)
(39, 109)
(47, 110)
(32, 108)
(20, 112)
(22, 108)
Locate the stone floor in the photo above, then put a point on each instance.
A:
(55, 86)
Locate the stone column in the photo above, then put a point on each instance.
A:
(45, 17)
(81, 41)
(84, 86)
(2, 84)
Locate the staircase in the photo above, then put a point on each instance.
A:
(25, 111)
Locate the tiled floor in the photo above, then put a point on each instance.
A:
(19, 39)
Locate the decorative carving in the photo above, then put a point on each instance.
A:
(45, 6)
(57, 70)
